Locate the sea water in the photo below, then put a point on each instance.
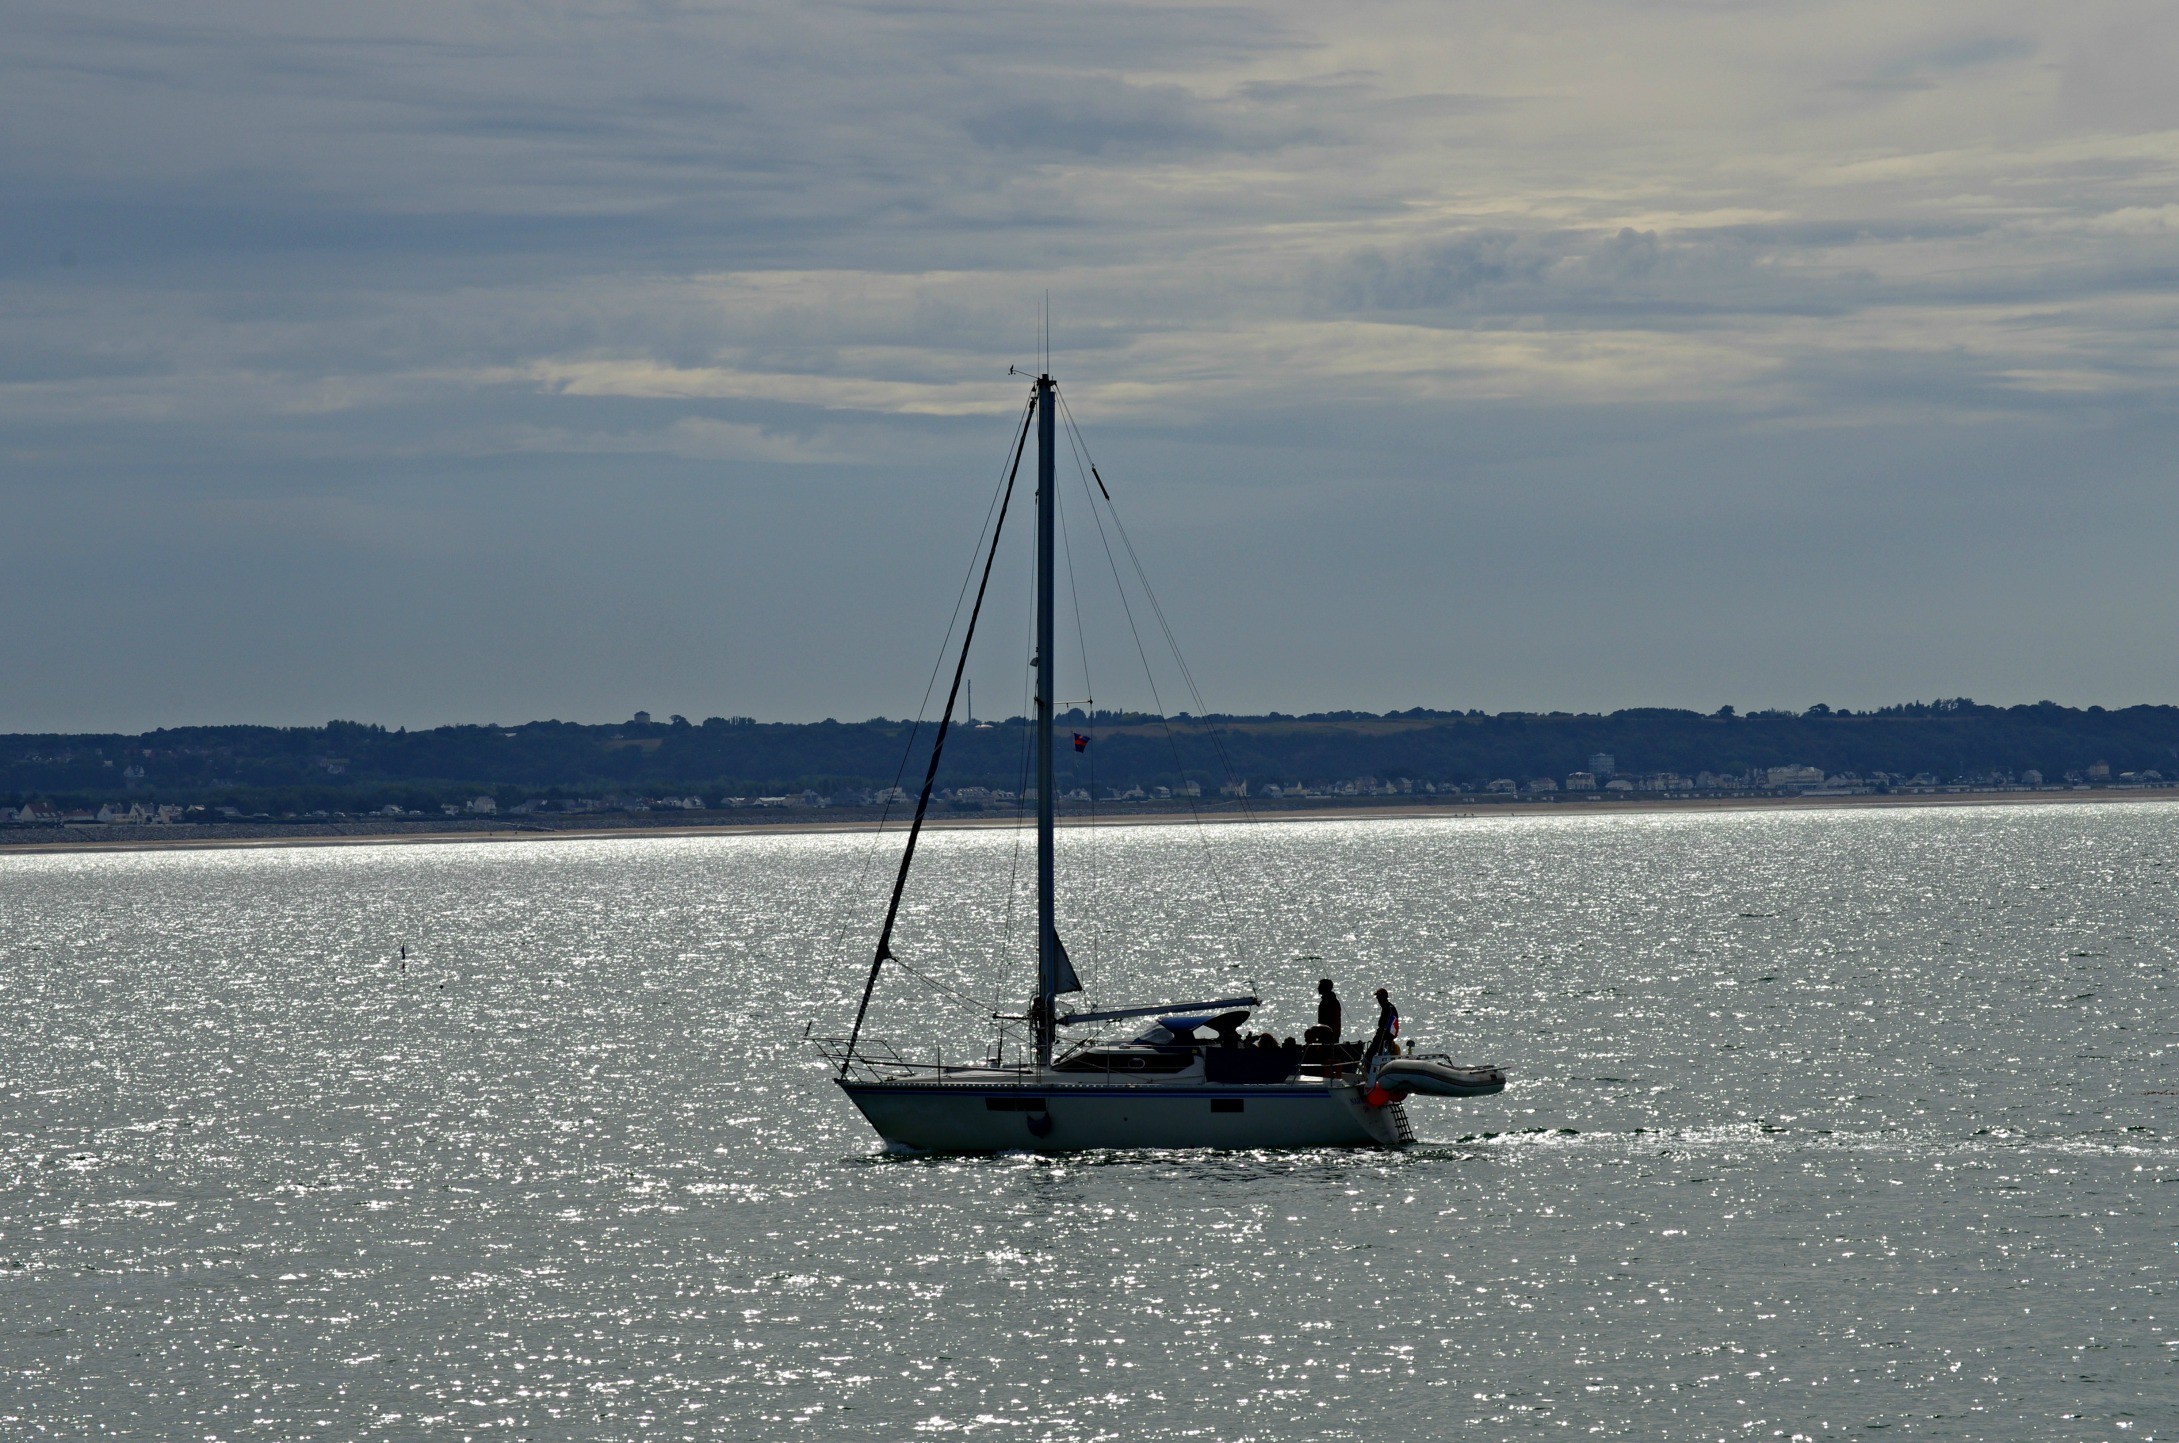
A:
(1821, 1123)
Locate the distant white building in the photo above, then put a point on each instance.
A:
(1542, 784)
(483, 806)
(1581, 781)
(1603, 763)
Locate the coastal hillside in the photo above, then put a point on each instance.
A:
(647, 764)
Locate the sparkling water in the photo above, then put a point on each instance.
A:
(1820, 1123)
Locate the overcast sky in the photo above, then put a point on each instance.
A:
(443, 362)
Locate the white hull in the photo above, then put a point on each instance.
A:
(1063, 1113)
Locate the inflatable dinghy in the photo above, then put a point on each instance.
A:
(1435, 1077)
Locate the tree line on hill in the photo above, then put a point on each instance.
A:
(356, 767)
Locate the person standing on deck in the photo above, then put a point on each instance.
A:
(1326, 1031)
(1386, 1037)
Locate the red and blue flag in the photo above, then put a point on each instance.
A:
(1081, 742)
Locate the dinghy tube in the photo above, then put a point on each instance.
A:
(1430, 1077)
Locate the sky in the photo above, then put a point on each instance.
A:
(459, 362)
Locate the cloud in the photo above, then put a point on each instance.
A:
(1325, 257)
(696, 438)
(1926, 68)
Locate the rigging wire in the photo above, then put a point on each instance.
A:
(1187, 673)
(923, 707)
(1089, 691)
(1082, 467)
(1013, 865)
(884, 949)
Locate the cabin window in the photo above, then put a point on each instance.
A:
(1225, 1104)
(1014, 1104)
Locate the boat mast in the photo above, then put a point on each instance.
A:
(1048, 953)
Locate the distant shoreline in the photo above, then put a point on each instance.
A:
(363, 832)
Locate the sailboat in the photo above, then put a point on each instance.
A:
(1183, 1080)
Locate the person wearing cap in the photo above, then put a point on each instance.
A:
(1326, 1031)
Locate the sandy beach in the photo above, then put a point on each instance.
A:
(92, 838)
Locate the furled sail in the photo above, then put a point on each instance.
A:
(1063, 978)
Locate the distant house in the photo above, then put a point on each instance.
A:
(1541, 784)
(1603, 763)
(1581, 781)
(2100, 772)
(1793, 776)
(1503, 784)
(483, 806)
(640, 719)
